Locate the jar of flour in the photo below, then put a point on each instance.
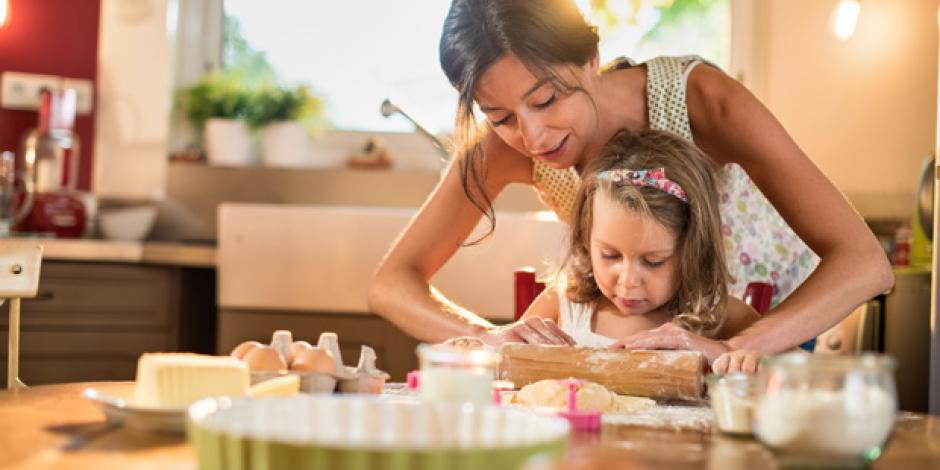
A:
(827, 410)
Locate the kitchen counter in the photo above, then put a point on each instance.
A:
(54, 427)
(110, 251)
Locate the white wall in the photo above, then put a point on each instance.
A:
(864, 109)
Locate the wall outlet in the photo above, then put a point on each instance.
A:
(21, 90)
(84, 94)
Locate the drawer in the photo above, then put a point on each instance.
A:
(48, 371)
(65, 344)
(105, 295)
(55, 357)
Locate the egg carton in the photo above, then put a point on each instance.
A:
(364, 378)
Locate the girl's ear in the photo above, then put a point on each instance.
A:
(594, 63)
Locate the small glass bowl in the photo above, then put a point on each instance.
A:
(453, 374)
(734, 398)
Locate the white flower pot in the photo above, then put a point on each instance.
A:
(228, 142)
(284, 144)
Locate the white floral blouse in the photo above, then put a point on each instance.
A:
(759, 245)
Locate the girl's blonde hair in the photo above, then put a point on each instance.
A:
(702, 291)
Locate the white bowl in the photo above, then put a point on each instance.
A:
(128, 223)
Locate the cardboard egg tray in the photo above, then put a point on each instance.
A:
(364, 378)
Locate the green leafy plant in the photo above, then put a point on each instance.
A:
(274, 104)
(216, 95)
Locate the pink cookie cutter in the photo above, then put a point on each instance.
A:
(581, 420)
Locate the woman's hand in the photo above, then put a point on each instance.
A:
(672, 336)
(531, 330)
(465, 342)
(738, 360)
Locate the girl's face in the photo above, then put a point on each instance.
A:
(633, 256)
(533, 117)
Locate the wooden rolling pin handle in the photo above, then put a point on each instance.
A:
(656, 374)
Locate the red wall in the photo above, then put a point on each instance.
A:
(54, 37)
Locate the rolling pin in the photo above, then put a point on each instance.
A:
(655, 374)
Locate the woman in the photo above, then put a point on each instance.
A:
(531, 66)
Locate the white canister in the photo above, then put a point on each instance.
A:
(284, 144)
(228, 142)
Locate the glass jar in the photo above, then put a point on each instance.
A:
(733, 398)
(454, 374)
(827, 410)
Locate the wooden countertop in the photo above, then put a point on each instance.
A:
(52, 426)
(159, 253)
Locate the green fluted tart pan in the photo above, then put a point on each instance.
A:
(366, 432)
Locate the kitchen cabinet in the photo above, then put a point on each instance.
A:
(91, 320)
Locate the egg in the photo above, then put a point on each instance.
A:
(299, 347)
(264, 358)
(314, 360)
(242, 349)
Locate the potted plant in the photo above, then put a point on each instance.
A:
(286, 116)
(217, 106)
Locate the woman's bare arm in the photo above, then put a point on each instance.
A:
(731, 125)
(738, 318)
(400, 289)
(544, 306)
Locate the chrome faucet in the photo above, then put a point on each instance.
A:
(389, 108)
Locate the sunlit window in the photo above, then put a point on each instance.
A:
(356, 53)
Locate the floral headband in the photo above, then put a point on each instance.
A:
(655, 178)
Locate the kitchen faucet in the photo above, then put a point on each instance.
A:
(389, 108)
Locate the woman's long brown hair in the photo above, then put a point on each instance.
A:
(540, 33)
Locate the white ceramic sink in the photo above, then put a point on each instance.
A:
(320, 258)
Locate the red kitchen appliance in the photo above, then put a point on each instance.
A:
(50, 159)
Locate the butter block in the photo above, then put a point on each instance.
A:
(282, 386)
(175, 380)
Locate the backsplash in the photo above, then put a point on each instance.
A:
(195, 191)
(51, 37)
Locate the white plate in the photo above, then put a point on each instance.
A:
(118, 406)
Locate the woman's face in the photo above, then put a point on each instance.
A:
(633, 257)
(535, 118)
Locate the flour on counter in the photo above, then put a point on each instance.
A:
(676, 417)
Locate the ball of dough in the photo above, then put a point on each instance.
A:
(554, 393)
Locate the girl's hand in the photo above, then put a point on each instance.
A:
(672, 336)
(738, 360)
(531, 330)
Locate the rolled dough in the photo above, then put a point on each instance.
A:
(590, 396)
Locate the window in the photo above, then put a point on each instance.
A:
(643, 29)
(356, 53)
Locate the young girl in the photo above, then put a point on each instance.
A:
(646, 248)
